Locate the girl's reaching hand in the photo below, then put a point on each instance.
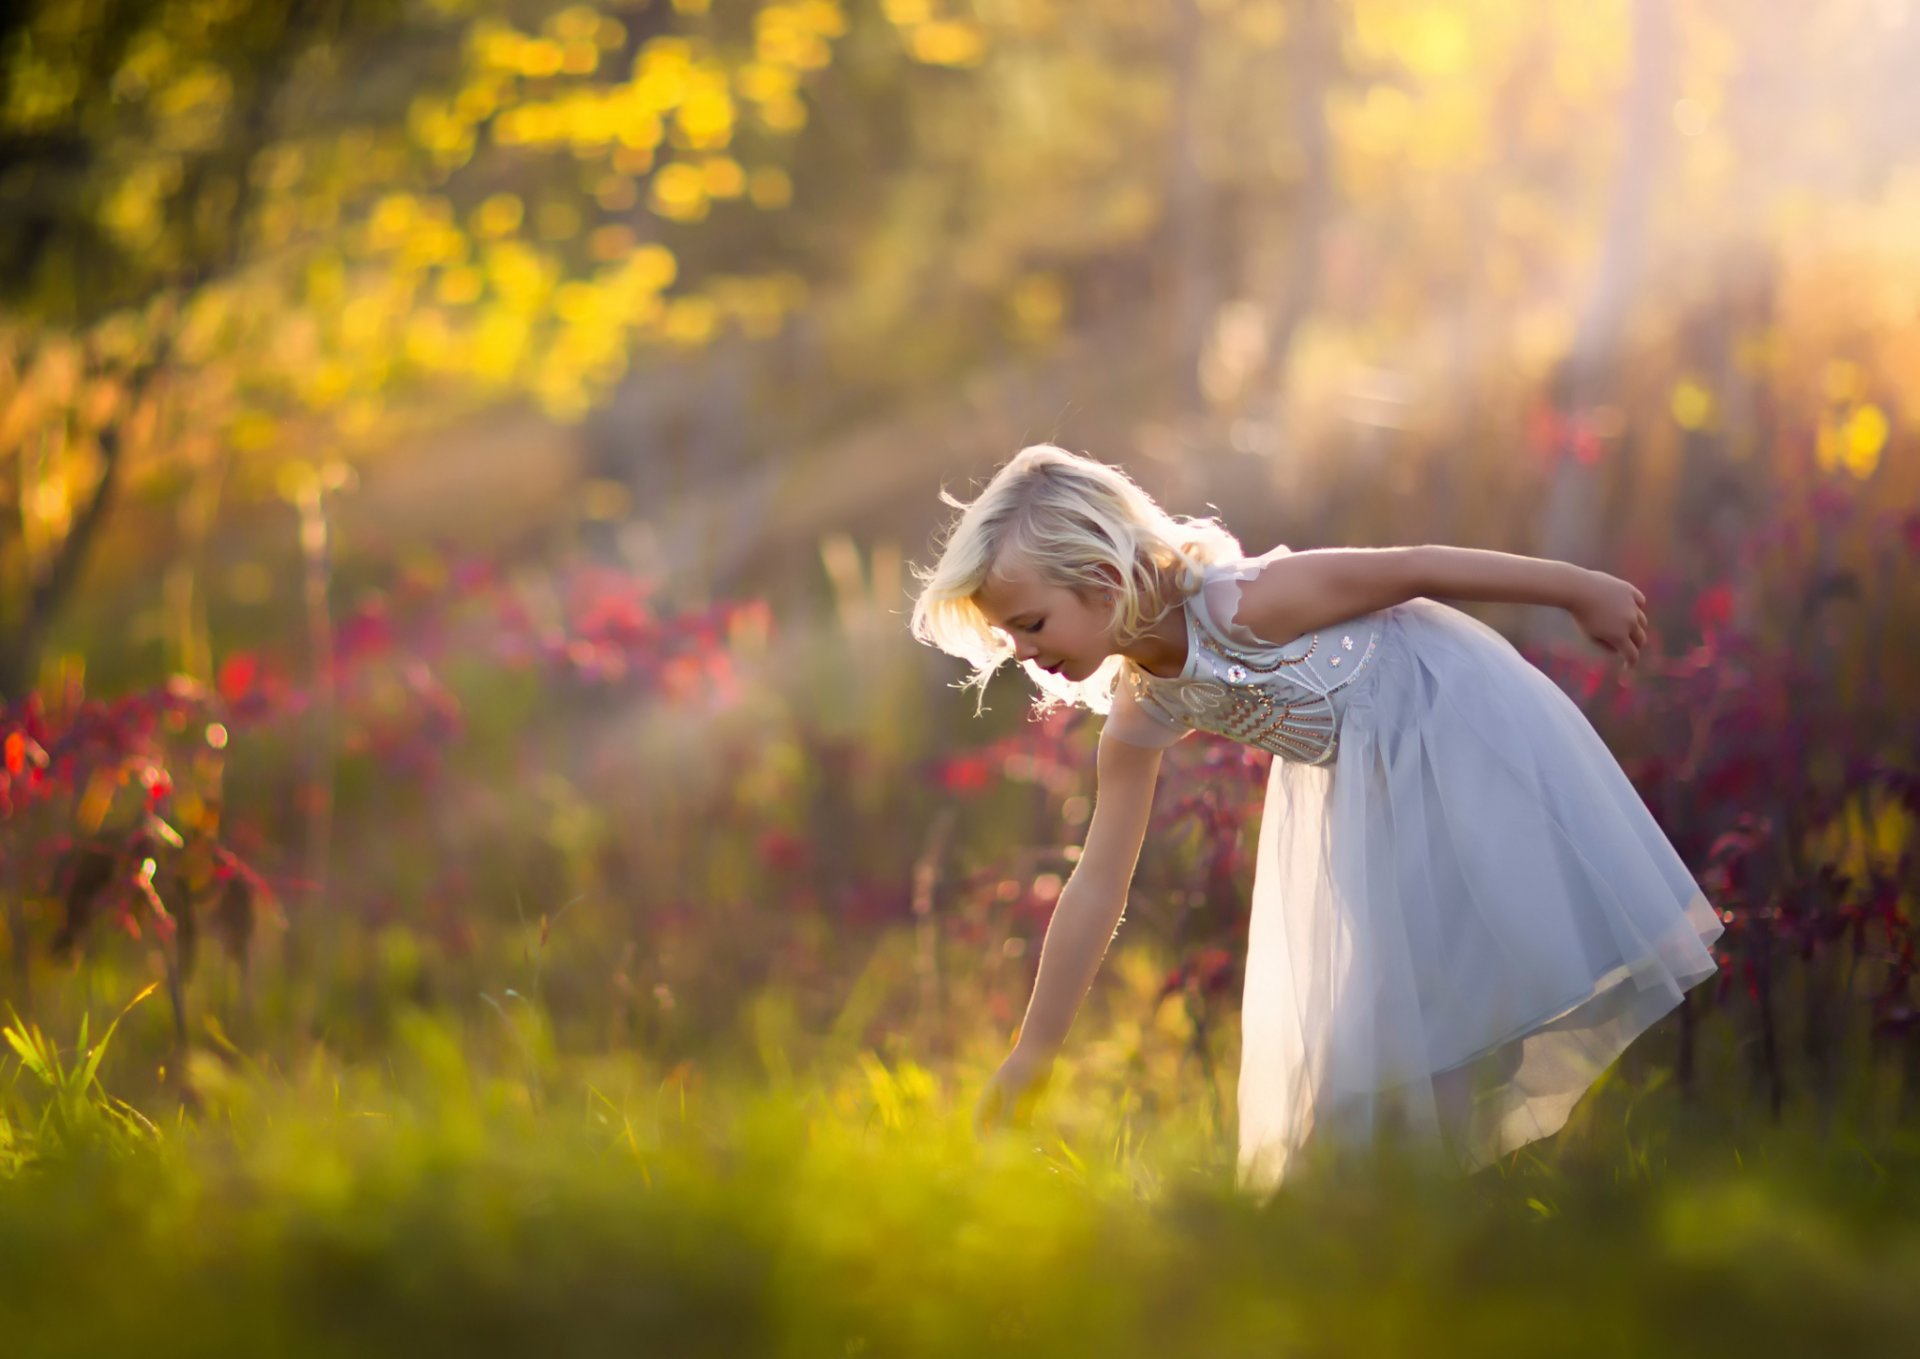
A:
(1612, 613)
(1012, 1091)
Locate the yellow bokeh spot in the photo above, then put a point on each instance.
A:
(706, 117)
(1434, 42)
(498, 215)
(361, 321)
(1692, 404)
(391, 217)
(652, 267)
(476, 102)
(574, 22)
(326, 281)
(540, 58)
(326, 382)
(690, 321)
(575, 303)
(722, 177)
(499, 342)
(691, 6)
(459, 287)
(519, 275)
(1866, 435)
(907, 12)
(679, 193)
(610, 242)
(616, 193)
(946, 42)
(360, 417)
(252, 431)
(770, 187)
(632, 160)
(428, 341)
(826, 17)
(1038, 304)
(763, 83)
(784, 115)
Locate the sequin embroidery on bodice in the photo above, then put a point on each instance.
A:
(1279, 698)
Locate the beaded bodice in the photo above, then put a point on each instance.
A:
(1278, 697)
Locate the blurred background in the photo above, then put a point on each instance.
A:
(463, 458)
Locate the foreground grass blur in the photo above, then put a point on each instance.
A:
(597, 1204)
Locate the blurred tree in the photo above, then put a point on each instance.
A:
(247, 235)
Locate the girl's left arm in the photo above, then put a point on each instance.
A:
(1499, 577)
(1302, 591)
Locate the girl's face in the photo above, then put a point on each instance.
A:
(1057, 628)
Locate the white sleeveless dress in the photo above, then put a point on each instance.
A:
(1462, 909)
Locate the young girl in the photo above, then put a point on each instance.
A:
(1462, 911)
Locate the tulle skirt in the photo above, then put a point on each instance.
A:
(1460, 921)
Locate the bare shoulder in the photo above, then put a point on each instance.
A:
(1300, 592)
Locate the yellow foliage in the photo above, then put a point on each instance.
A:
(539, 58)
(610, 242)
(477, 101)
(576, 302)
(679, 193)
(1692, 405)
(948, 43)
(660, 72)
(429, 342)
(1038, 304)
(498, 344)
(498, 215)
(459, 287)
(652, 267)
(1855, 442)
(325, 383)
(763, 83)
(616, 193)
(519, 275)
(690, 321)
(722, 177)
(784, 115)
(1863, 835)
(706, 115)
(326, 281)
(361, 322)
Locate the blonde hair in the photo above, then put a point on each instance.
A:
(1066, 516)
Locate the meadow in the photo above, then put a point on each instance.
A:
(483, 865)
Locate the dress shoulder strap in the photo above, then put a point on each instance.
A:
(1218, 599)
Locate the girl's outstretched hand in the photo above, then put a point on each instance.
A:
(1012, 1091)
(1613, 614)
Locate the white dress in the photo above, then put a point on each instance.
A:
(1462, 909)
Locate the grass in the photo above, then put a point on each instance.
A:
(605, 1206)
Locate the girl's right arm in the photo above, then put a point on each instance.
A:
(1088, 912)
